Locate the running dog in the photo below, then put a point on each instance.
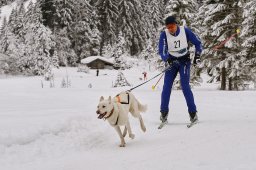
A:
(116, 110)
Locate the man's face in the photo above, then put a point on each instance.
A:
(172, 28)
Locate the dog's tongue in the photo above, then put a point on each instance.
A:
(100, 116)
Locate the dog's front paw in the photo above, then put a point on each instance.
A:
(144, 129)
(122, 145)
(132, 136)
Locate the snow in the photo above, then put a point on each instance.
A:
(57, 128)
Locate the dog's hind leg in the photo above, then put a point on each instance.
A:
(125, 131)
(121, 136)
(131, 135)
(142, 126)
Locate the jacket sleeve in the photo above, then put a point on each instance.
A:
(194, 40)
(162, 46)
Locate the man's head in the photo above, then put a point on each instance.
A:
(171, 24)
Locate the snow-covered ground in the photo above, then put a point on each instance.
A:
(57, 128)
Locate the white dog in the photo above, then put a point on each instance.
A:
(116, 112)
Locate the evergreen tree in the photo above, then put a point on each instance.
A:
(49, 13)
(107, 51)
(131, 24)
(19, 25)
(152, 20)
(120, 53)
(121, 80)
(12, 20)
(108, 13)
(223, 18)
(248, 35)
(84, 33)
(3, 36)
(39, 41)
(65, 10)
(184, 10)
(66, 55)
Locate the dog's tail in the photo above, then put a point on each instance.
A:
(142, 108)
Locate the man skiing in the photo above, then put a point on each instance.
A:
(174, 49)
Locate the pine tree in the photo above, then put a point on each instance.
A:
(84, 33)
(119, 53)
(39, 41)
(223, 18)
(121, 80)
(248, 35)
(49, 13)
(152, 16)
(3, 36)
(11, 46)
(19, 25)
(107, 51)
(66, 55)
(108, 13)
(131, 24)
(184, 10)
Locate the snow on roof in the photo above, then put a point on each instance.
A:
(93, 58)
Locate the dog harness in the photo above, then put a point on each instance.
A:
(119, 99)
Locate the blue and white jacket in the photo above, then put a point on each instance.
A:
(191, 37)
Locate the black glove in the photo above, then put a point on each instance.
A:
(197, 59)
(169, 61)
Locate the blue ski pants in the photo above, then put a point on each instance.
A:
(183, 68)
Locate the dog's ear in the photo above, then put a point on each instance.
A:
(101, 98)
(109, 99)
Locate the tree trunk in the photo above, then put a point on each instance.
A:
(235, 83)
(230, 84)
(223, 79)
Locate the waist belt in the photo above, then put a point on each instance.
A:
(182, 58)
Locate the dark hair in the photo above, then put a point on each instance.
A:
(170, 20)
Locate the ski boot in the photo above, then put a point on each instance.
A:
(163, 119)
(193, 120)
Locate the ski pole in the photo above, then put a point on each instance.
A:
(226, 40)
(154, 86)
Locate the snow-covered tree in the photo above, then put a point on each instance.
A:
(131, 24)
(184, 10)
(248, 42)
(220, 25)
(153, 14)
(107, 51)
(84, 33)
(121, 80)
(49, 13)
(13, 47)
(66, 55)
(108, 13)
(37, 58)
(120, 53)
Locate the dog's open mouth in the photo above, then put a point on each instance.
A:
(101, 115)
